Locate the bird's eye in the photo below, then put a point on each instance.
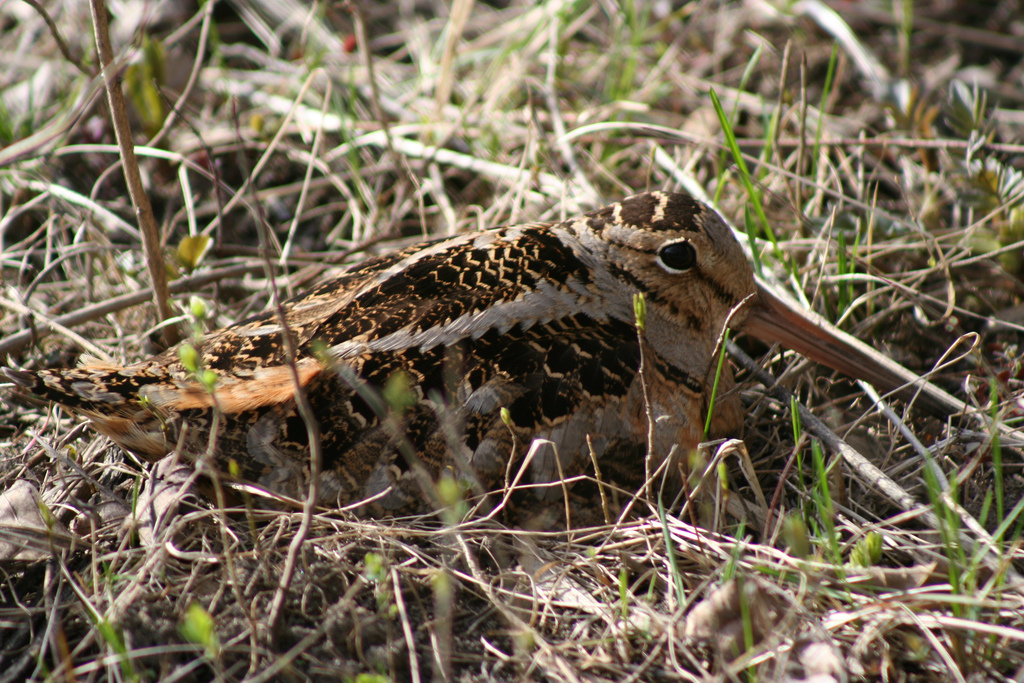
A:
(676, 257)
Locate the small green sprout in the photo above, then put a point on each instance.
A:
(373, 568)
(399, 393)
(189, 357)
(197, 627)
(868, 550)
(794, 531)
(640, 311)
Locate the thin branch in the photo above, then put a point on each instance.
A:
(132, 176)
(876, 478)
(19, 340)
(62, 44)
(303, 406)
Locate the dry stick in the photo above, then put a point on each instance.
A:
(945, 145)
(238, 196)
(648, 411)
(779, 116)
(860, 142)
(304, 191)
(87, 345)
(460, 11)
(967, 34)
(441, 634)
(86, 250)
(414, 664)
(19, 340)
(140, 200)
(966, 517)
(206, 462)
(305, 410)
(600, 482)
(283, 661)
(552, 662)
(876, 477)
(911, 438)
(798, 189)
(401, 162)
(57, 37)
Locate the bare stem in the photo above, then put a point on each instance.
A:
(140, 200)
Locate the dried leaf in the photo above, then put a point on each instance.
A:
(25, 534)
(822, 662)
(159, 499)
(721, 616)
(897, 578)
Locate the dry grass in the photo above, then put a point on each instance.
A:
(892, 187)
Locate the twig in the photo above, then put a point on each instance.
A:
(550, 660)
(909, 435)
(410, 640)
(878, 479)
(640, 308)
(401, 163)
(56, 128)
(284, 660)
(305, 410)
(19, 340)
(140, 200)
(62, 44)
(801, 154)
(21, 309)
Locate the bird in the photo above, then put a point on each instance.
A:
(510, 354)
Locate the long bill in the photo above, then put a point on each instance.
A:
(773, 319)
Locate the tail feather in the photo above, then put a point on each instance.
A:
(23, 378)
(108, 396)
(99, 387)
(138, 406)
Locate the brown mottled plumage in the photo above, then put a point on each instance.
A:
(536, 319)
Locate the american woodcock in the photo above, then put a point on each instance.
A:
(453, 357)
